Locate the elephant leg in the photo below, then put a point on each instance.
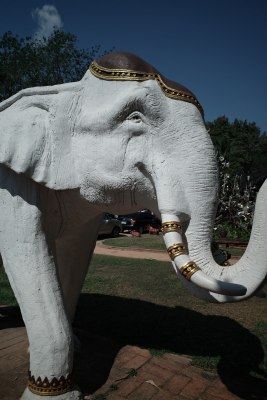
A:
(30, 267)
(74, 252)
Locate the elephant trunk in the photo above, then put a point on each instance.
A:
(188, 269)
(221, 283)
(185, 176)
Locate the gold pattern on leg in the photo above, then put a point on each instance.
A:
(53, 388)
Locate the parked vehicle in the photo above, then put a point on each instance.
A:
(139, 221)
(110, 226)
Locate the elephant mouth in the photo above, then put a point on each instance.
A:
(188, 269)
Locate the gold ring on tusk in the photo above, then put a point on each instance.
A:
(189, 269)
(176, 250)
(171, 226)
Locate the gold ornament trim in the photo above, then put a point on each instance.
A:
(189, 269)
(170, 226)
(130, 75)
(176, 250)
(46, 388)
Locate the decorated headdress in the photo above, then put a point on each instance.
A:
(128, 67)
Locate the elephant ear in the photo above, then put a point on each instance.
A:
(35, 134)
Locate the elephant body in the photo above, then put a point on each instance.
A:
(122, 139)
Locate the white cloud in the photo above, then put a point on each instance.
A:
(48, 19)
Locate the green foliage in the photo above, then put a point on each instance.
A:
(241, 151)
(242, 144)
(231, 231)
(236, 206)
(27, 62)
(208, 363)
(132, 372)
(157, 352)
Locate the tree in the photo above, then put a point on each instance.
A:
(236, 207)
(242, 160)
(27, 62)
(242, 144)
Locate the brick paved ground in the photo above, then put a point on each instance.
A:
(13, 362)
(104, 370)
(136, 374)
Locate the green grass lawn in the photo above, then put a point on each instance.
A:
(146, 241)
(143, 303)
(6, 293)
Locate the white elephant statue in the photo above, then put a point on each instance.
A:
(122, 139)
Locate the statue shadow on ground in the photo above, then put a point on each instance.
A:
(10, 317)
(104, 324)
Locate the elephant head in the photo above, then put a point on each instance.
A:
(128, 138)
(169, 146)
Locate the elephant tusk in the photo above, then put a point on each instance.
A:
(214, 285)
(172, 229)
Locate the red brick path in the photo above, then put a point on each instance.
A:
(137, 375)
(134, 375)
(13, 362)
(115, 373)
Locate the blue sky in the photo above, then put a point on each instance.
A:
(218, 49)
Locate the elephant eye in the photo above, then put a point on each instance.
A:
(135, 117)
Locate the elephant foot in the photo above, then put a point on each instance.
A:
(75, 394)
